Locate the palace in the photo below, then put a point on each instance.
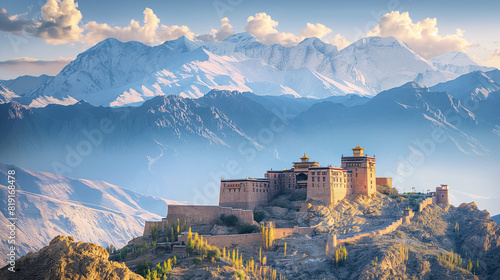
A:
(356, 176)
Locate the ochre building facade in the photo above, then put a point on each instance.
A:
(356, 176)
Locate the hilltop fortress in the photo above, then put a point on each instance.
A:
(324, 183)
(327, 184)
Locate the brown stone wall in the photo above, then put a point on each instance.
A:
(424, 204)
(244, 194)
(205, 214)
(329, 186)
(285, 232)
(384, 181)
(234, 240)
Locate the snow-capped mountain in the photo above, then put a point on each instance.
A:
(458, 63)
(385, 63)
(6, 94)
(472, 86)
(113, 73)
(92, 211)
(25, 84)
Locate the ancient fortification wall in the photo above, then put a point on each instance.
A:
(384, 181)
(333, 241)
(205, 214)
(198, 215)
(234, 240)
(285, 232)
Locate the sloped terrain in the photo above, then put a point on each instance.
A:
(66, 259)
(93, 211)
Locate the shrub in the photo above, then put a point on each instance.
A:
(247, 228)
(258, 216)
(197, 260)
(400, 199)
(213, 254)
(111, 249)
(239, 274)
(229, 221)
(143, 267)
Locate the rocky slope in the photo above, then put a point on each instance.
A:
(65, 259)
(93, 211)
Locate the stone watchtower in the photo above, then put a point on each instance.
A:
(442, 195)
(362, 178)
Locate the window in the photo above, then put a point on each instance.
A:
(323, 185)
(313, 185)
(324, 179)
(312, 173)
(312, 179)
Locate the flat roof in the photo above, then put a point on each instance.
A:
(326, 167)
(246, 180)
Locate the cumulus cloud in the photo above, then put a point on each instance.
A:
(151, 32)
(13, 68)
(13, 24)
(495, 55)
(225, 31)
(60, 22)
(168, 33)
(263, 27)
(315, 30)
(423, 37)
(494, 59)
(339, 41)
(145, 33)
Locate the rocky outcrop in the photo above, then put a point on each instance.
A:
(65, 259)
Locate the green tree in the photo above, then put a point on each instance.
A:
(154, 231)
(143, 267)
(340, 255)
(123, 253)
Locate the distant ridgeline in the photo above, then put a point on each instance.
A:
(324, 184)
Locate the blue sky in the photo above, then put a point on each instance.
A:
(32, 32)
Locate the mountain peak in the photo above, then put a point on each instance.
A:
(414, 85)
(454, 58)
(376, 41)
(222, 93)
(243, 37)
(182, 44)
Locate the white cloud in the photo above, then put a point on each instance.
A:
(317, 30)
(225, 31)
(60, 22)
(14, 24)
(339, 41)
(423, 37)
(263, 27)
(495, 55)
(168, 33)
(133, 32)
(494, 59)
(13, 68)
